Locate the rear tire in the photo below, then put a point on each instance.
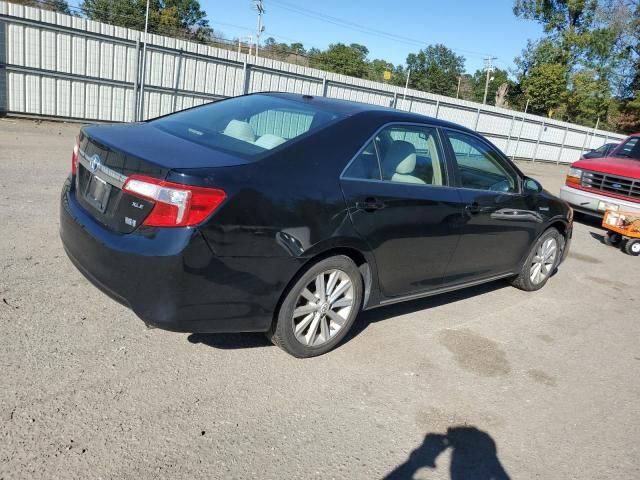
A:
(612, 239)
(632, 247)
(541, 262)
(319, 308)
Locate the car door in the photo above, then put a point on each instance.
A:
(500, 223)
(397, 193)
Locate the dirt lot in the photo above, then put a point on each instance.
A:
(542, 385)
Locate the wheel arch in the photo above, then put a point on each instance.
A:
(358, 257)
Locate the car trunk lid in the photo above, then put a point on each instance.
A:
(108, 155)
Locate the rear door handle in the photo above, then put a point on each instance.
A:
(370, 205)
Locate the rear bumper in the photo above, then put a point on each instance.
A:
(587, 202)
(170, 277)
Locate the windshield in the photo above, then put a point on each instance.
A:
(629, 149)
(248, 125)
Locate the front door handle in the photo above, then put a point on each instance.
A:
(475, 207)
(370, 205)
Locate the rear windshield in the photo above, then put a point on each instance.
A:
(249, 125)
(629, 149)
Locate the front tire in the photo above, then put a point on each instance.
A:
(541, 262)
(319, 308)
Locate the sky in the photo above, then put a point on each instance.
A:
(472, 28)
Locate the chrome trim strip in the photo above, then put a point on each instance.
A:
(437, 291)
(104, 173)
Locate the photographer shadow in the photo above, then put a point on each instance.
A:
(473, 456)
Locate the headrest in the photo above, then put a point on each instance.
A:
(269, 141)
(240, 130)
(403, 155)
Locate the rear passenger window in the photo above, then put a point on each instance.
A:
(365, 166)
(410, 154)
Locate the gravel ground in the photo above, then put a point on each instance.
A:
(486, 380)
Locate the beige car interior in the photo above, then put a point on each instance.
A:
(243, 131)
(399, 163)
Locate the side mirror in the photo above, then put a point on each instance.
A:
(532, 186)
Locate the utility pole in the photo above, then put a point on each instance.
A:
(406, 86)
(259, 7)
(458, 90)
(489, 68)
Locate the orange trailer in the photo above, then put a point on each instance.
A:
(623, 230)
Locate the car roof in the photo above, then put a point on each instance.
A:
(349, 108)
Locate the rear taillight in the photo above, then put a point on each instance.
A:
(176, 204)
(74, 156)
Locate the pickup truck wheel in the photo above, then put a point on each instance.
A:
(541, 262)
(319, 309)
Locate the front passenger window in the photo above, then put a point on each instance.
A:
(479, 166)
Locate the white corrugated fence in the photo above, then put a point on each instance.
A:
(61, 66)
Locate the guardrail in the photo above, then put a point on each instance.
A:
(60, 66)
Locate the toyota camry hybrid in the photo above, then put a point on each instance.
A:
(289, 214)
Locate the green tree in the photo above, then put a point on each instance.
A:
(497, 78)
(340, 58)
(377, 68)
(61, 6)
(546, 87)
(588, 98)
(435, 69)
(169, 17)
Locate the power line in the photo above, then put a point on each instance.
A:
(358, 27)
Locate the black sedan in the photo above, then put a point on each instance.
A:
(289, 214)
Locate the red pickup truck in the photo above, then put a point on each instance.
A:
(612, 182)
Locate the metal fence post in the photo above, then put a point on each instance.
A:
(564, 139)
(477, 120)
(513, 120)
(584, 144)
(437, 107)
(245, 78)
(515, 152)
(535, 151)
(134, 107)
(394, 102)
(4, 103)
(324, 86)
(176, 82)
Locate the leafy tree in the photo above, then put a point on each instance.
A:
(340, 58)
(546, 87)
(61, 6)
(168, 17)
(588, 99)
(377, 68)
(497, 78)
(435, 69)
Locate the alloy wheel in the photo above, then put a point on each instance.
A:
(544, 261)
(323, 307)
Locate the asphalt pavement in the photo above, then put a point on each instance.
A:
(485, 381)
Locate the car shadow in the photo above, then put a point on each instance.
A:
(232, 341)
(474, 456)
(379, 314)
